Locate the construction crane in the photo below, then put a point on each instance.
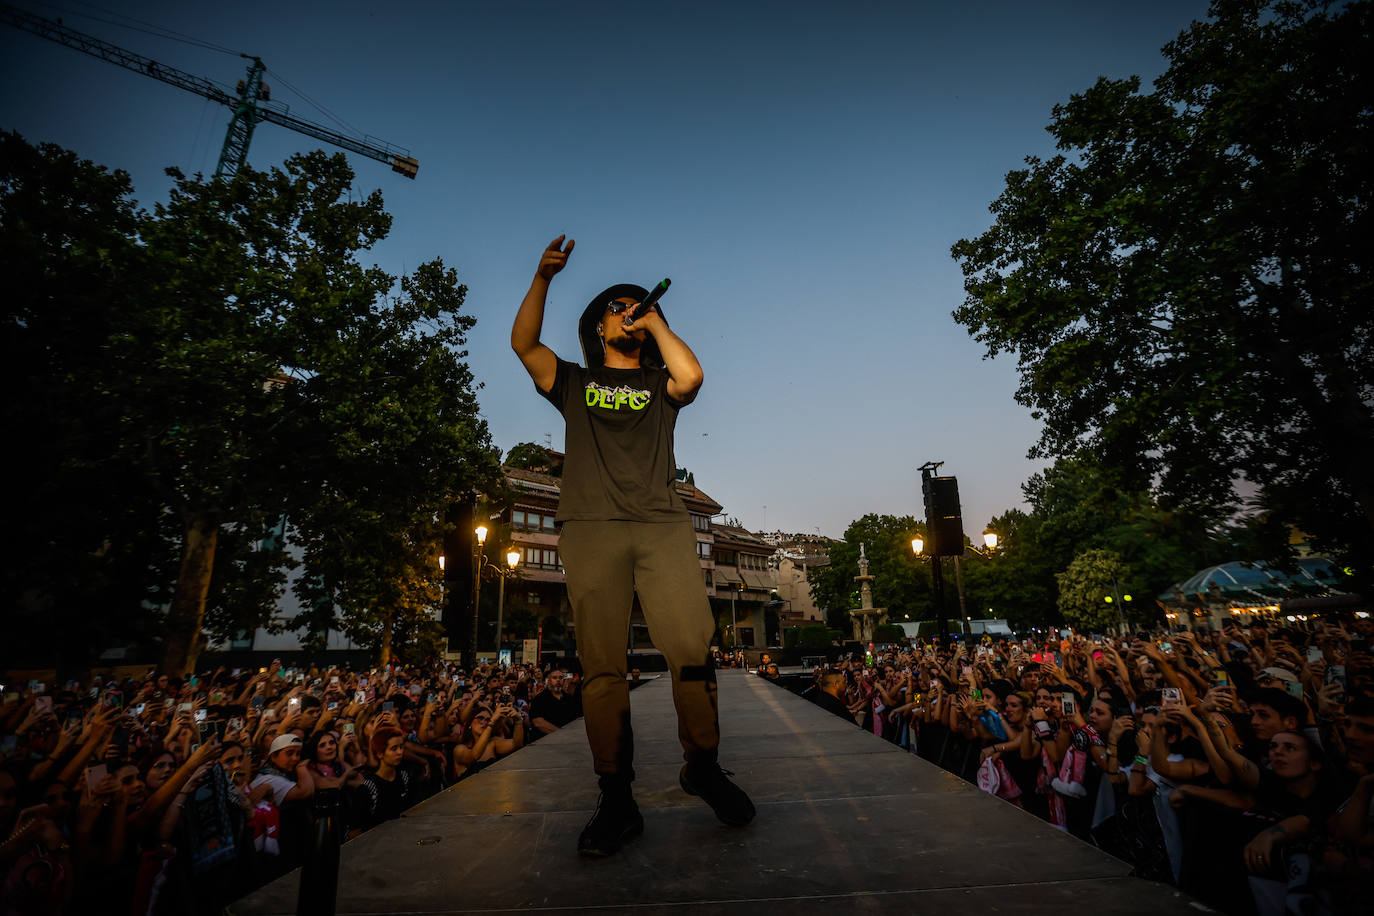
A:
(250, 106)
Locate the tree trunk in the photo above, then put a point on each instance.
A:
(384, 652)
(187, 613)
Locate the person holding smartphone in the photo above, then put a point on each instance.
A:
(626, 531)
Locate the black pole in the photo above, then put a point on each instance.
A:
(937, 579)
(319, 888)
(937, 588)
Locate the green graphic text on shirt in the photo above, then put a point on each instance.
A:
(616, 398)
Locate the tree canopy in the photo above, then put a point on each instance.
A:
(1187, 285)
(1092, 577)
(244, 396)
(901, 583)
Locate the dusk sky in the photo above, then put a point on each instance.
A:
(798, 169)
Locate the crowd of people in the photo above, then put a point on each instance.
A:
(171, 795)
(1237, 765)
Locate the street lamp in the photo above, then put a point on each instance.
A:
(481, 532)
(512, 558)
(990, 546)
(734, 623)
(1120, 602)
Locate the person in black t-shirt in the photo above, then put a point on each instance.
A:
(830, 695)
(552, 708)
(624, 531)
(385, 790)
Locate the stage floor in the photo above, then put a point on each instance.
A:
(844, 819)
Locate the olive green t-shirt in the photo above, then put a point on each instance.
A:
(618, 441)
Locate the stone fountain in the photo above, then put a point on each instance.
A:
(867, 618)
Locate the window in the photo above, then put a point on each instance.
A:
(525, 520)
(701, 522)
(542, 558)
(703, 550)
(707, 574)
(725, 556)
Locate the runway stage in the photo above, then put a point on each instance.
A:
(844, 820)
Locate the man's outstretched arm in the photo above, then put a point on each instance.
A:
(684, 372)
(539, 361)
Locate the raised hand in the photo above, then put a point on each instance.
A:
(555, 257)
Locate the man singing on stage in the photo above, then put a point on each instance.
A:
(625, 530)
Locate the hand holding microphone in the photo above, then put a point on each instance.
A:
(639, 311)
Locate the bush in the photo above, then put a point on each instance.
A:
(888, 632)
(812, 636)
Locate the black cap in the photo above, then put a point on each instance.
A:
(593, 349)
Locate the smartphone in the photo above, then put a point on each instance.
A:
(1067, 704)
(269, 714)
(193, 681)
(184, 707)
(236, 672)
(43, 706)
(138, 710)
(1220, 677)
(348, 728)
(233, 725)
(334, 679)
(200, 715)
(1166, 647)
(293, 705)
(388, 706)
(121, 736)
(1294, 688)
(1335, 674)
(333, 704)
(94, 775)
(977, 694)
(1171, 696)
(258, 701)
(360, 697)
(362, 682)
(73, 718)
(1314, 654)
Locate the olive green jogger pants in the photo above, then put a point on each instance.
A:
(605, 564)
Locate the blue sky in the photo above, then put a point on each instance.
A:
(798, 169)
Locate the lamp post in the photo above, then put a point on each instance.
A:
(734, 623)
(481, 532)
(937, 580)
(1119, 601)
(512, 558)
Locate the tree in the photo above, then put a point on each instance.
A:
(1091, 577)
(901, 582)
(1186, 284)
(1017, 581)
(532, 456)
(85, 526)
(265, 391)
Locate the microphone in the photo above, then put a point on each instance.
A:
(643, 308)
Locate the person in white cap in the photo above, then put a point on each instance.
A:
(289, 779)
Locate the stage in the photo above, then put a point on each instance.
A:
(844, 819)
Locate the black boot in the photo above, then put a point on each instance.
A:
(615, 820)
(708, 780)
